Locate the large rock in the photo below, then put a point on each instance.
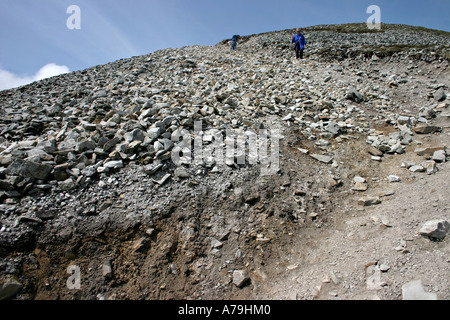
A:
(29, 169)
(9, 289)
(440, 95)
(426, 129)
(436, 229)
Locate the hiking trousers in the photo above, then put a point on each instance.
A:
(298, 52)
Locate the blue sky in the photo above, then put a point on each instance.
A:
(35, 41)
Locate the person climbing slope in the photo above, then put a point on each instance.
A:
(234, 41)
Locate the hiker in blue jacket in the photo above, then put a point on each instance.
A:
(299, 44)
(234, 40)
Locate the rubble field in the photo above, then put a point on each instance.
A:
(93, 205)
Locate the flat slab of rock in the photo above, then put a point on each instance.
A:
(322, 158)
(428, 150)
(26, 169)
(436, 229)
(426, 129)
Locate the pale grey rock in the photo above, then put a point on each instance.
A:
(439, 156)
(437, 229)
(322, 158)
(114, 164)
(440, 95)
(240, 277)
(414, 291)
(417, 168)
(394, 178)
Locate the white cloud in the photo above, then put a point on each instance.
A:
(10, 80)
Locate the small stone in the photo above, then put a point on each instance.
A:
(414, 291)
(417, 168)
(113, 164)
(181, 173)
(370, 201)
(333, 128)
(322, 158)
(67, 184)
(393, 178)
(322, 143)
(388, 193)
(386, 222)
(403, 120)
(354, 95)
(334, 278)
(107, 269)
(384, 267)
(154, 133)
(397, 148)
(173, 268)
(162, 180)
(440, 95)
(139, 243)
(408, 164)
(105, 205)
(439, 156)
(436, 229)
(357, 179)
(240, 277)
(375, 152)
(430, 166)
(89, 126)
(360, 186)
(216, 243)
(111, 143)
(100, 94)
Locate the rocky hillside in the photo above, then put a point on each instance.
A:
(357, 207)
